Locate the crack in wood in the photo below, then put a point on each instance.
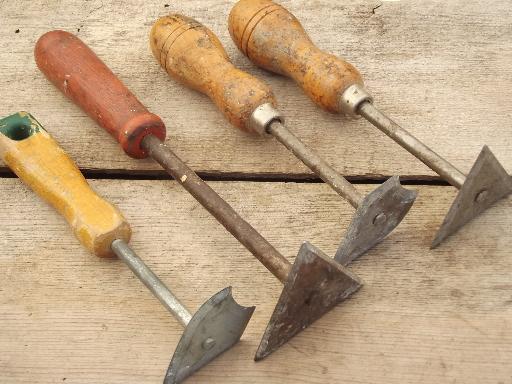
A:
(376, 7)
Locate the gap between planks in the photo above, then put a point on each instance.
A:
(305, 178)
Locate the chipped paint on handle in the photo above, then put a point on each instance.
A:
(81, 75)
(39, 161)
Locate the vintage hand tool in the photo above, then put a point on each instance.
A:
(313, 285)
(275, 40)
(193, 55)
(39, 161)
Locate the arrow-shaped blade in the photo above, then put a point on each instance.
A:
(486, 183)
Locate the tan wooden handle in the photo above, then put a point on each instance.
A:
(42, 164)
(271, 37)
(194, 56)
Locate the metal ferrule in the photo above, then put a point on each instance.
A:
(352, 98)
(263, 116)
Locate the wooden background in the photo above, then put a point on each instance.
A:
(443, 68)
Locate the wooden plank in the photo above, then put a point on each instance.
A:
(424, 316)
(442, 68)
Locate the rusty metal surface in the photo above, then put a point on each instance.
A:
(486, 183)
(312, 286)
(315, 285)
(318, 165)
(214, 328)
(411, 144)
(377, 216)
(218, 207)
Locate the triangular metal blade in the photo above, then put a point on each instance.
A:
(379, 214)
(315, 285)
(487, 183)
(214, 328)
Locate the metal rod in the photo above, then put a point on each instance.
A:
(151, 281)
(218, 207)
(435, 162)
(319, 166)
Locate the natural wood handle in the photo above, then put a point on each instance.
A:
(76, 70)
(274, 39)
(194, 56)
(39, 161)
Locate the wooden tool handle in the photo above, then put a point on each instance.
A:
(39, 161)
(76, 70)
(275, 40)
(194, 56)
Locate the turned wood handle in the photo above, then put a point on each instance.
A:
(39, 161)
(274, 39)
(76, 70)
(194, 56)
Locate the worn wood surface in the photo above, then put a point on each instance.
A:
(442, 68)
(273, 39)
(198, 59)
(47, 169)
(423, 317)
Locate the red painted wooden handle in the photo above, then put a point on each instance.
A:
(76, 70)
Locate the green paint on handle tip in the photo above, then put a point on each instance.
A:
(20, 126)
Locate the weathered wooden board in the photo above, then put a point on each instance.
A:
(442, 68)
(442, 316)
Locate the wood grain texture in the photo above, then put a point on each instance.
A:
(194, 56)
(440, 316)
(272, 38)
(441, 68)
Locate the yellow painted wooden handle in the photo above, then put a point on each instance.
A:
(194, 56)
(39, 161)
(275, 40)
